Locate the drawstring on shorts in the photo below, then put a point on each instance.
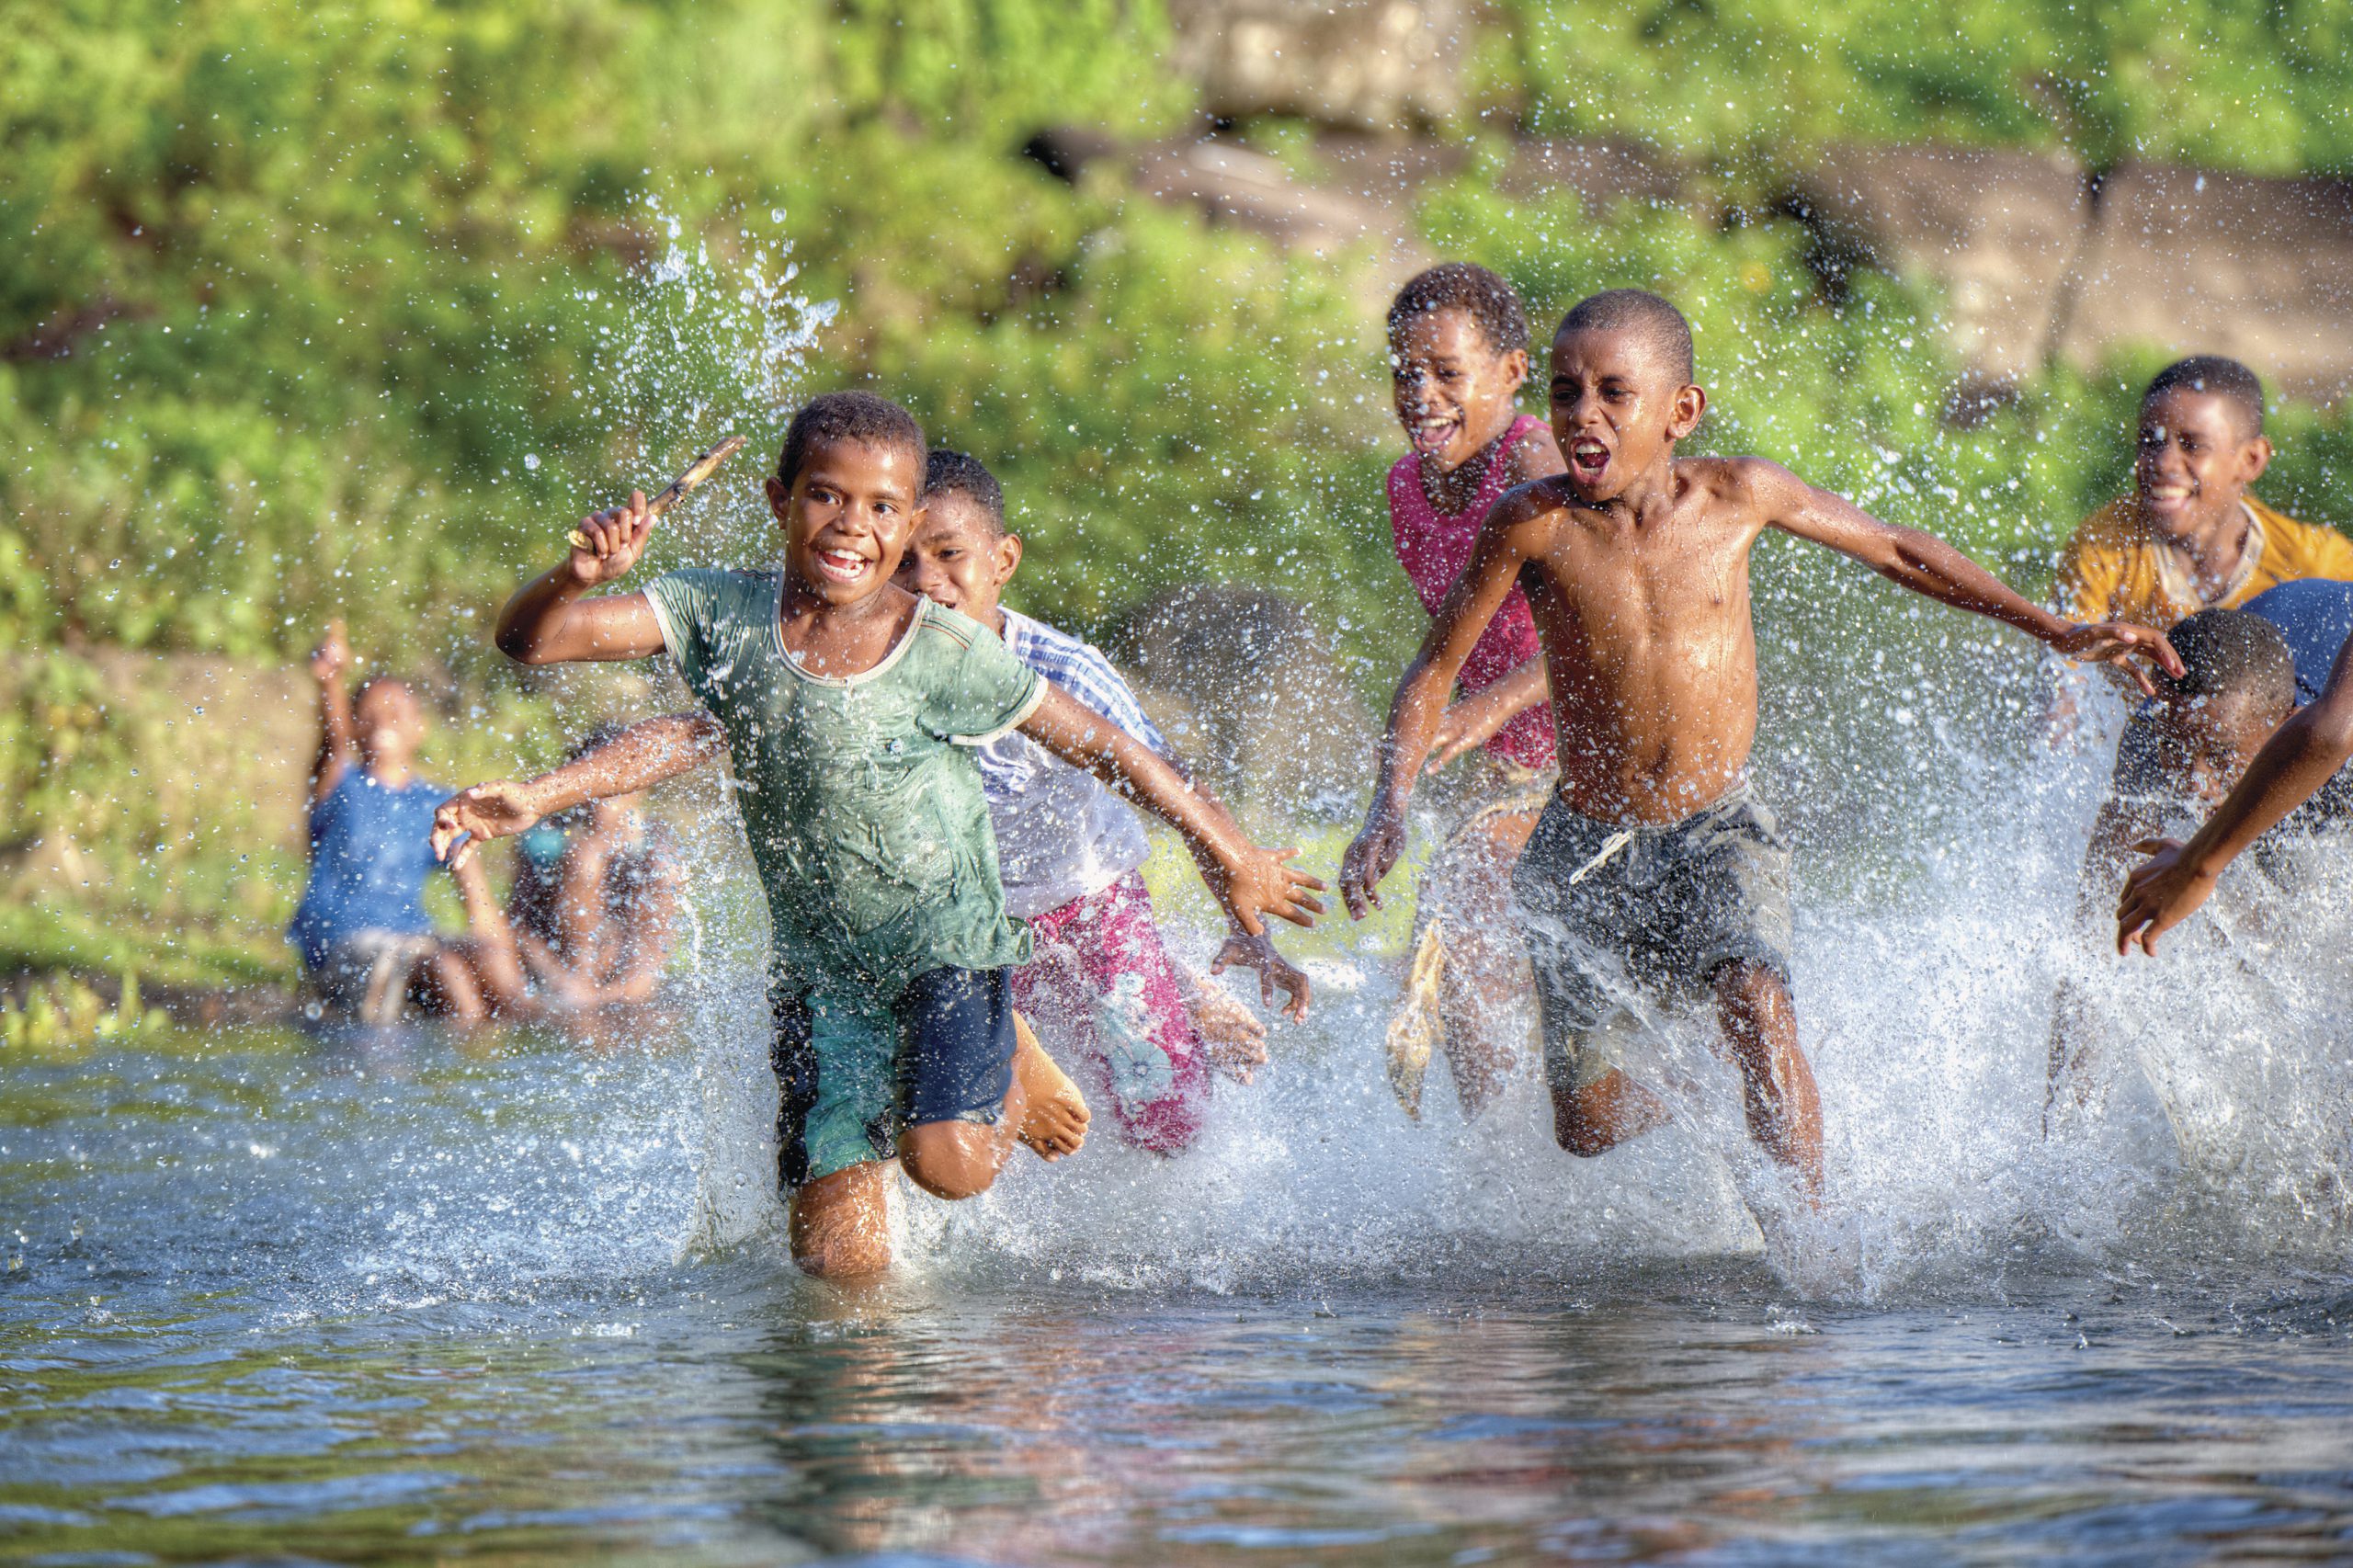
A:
(1609, 847)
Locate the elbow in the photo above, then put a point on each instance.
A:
(518, 646)
(2330, 730)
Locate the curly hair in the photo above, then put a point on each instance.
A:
(846, 416)
(1491, 303)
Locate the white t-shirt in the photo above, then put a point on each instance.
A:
(1061, 834)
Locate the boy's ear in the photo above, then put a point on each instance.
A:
(1515, 367)
(2254, 458)
(779, 497)
(1008, 558)
(1691, 403)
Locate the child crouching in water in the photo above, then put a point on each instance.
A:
(1070, 851)
(850, 708)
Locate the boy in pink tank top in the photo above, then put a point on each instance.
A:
(1458, 352)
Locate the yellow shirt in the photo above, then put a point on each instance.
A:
(2112, 570)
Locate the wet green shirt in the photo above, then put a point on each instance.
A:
(860, 793)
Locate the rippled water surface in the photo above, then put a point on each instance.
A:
(399, 1300)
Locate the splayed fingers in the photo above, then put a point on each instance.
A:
(1369, 860)
(2159, 895)
(496, 810)
(1274, 970)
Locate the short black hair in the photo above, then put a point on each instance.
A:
(846, 416)
(947, 473)
(1492, 304)
(1642, 313)
(2213, 373)
(2225, 651)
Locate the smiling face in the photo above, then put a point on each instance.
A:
(848, 516)
(1617, 409)
(2196, 460)
(957, 559)
(1454, 388)
(389, 724)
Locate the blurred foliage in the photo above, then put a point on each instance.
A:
(2254, 85)
(350, 310)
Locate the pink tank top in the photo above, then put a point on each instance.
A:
(1434, 548)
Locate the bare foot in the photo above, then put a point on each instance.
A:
(1053, 1122)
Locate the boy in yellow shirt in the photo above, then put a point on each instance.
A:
(2189, 537)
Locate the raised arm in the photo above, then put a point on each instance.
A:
(1926, 565)
(642, 756)
(1513, 531)
(1248, 881)
(329, 664)
(2301, 755)
(548, 622)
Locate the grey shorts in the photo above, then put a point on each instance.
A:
(1656, 911)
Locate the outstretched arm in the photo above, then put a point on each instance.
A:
(1248, 881)
(643, 754)
(1926, 565)
(1512, 532)
(2301, 755)
(548, 621)
(329, 662)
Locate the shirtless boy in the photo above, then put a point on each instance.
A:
(850, 708)
(1101, 981)
(1655, 860)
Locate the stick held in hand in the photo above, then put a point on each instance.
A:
(702, 468)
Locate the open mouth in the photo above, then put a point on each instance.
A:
(842, 565)
(1589, 459)
(1432, 432)
(2168, 492)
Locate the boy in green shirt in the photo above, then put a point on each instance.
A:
(849, 706)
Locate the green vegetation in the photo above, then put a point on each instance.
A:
(2229, 83)
(349, 310)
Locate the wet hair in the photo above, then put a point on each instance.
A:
(846, 416)
(1642, 313)
(949, 472)
(1492, 304)
(2225, 651)
(2211, 373)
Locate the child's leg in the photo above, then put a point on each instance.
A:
(840, 1224)
(1485, 973)
(1761, 1027)
(1135, 1021)
(973, 1086)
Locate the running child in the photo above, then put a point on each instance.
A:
(850, 708)
(1655, 863)
(1458, 355)
(1069, 852)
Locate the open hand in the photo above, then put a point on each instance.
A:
(2162, 892)
(1460, 729)
(2116, 643)
(1259, 882)
(497, 810)
(1274, 970)
(333, 655)
(606, 544)
(1370, 858)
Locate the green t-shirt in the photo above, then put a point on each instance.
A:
(860, 793)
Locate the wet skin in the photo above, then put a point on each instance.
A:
(2196, 455)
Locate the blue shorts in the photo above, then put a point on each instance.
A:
(852, 1074)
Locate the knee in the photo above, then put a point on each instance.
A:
(954, 1160)
(1747, 990)
(840, 1224)
(1585, 1136)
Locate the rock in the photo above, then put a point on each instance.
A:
(1248, 690)
(1363, 64)
(2261, 269)
(1998, 229)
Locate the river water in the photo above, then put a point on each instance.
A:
(273, 1297)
